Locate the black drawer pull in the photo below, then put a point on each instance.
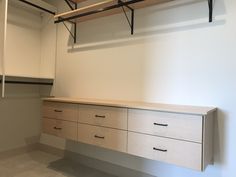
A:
(161, 150)
(57, 128)
(163, 125)
(99, 116)
(100, 137)
(56, 110)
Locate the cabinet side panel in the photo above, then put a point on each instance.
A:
(208, 140)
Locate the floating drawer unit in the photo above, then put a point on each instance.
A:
(165, 149)
(172, 125)
(60, 119)
(103, 126)
(62, 111)
(179, 135)
(104, 137)
(64, 129)
(103, 116)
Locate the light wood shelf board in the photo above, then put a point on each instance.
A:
(105, 4)
(183, 109)
(79, 1)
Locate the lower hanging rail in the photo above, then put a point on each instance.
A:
(20, 82)
(28, 83)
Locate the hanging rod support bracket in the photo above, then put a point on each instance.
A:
(131, 22)
(118, 5)
(69, 4)
(59, 20)
(74, 34)
(210, 4)
(38, 7)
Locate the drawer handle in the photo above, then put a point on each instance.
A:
(163, 125)
(161, 150)
(57, 128)
(99, 116)
(56, 110)
(100, 137)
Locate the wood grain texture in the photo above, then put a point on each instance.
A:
(103, 137)
(173, 136)
(208, 142)
(48, 126)
(179, 126)
(60, 111)
(180, 153)
(63, 129)
(105, 4)
(184, 109)
(79, 1)
(103, 116)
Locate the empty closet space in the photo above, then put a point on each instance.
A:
(28, 43)
(117, 88)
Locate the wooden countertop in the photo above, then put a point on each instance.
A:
(185, 109)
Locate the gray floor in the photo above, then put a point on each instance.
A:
(41, 164)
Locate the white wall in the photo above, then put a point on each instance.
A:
(48, 46)
(20, 109)
(174, 57)
(20, 117)
(23, 43)
(1, 34)
(31, 42)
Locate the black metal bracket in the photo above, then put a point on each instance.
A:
(38, 7)
(74, 33)
(27, 82)
(210, 4)
(115, 6)
(120, 4)
(69, 4)
(130, 22)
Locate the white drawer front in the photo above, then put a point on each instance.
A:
(103, 137)
(103, 116)
(179, 126)
(60, 128)
(176, 152)
(63, 111)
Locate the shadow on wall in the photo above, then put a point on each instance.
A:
(221, 122)
(85, 160)
(70, 168)
(77, 165)
(169, 17)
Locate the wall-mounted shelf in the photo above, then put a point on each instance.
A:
(111, 7)
(105, 8)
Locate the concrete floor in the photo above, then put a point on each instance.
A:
(41, 164)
